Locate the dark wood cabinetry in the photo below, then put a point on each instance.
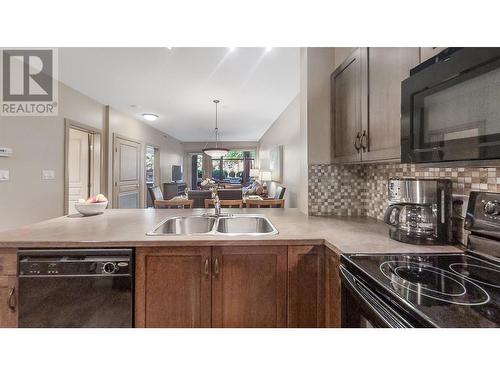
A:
(333, 290)
(236, 286)
(306, 286)
(387, 67)
(249, 286)
(8, 288)
(348, 88)
(366, 103)
(173, 287)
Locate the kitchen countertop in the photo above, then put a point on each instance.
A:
(127, 227)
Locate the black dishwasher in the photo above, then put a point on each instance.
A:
(80, 288)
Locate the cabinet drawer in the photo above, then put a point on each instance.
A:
(8, 262)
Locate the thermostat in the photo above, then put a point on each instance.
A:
(5, 152)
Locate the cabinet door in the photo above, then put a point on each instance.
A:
(428, 52)
(249, 286)
(306, 286)
(333, 290)
(349, 106)
(8, 302)
(173, 287)
(387, 67)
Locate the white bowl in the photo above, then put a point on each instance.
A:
(88, 209)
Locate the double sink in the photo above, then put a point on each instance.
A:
(237, 224)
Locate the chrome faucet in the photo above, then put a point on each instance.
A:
(216, 199)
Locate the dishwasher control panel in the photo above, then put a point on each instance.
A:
(61, 264)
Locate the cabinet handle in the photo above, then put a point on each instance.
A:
(207, 264)
(11, 302)
(357, 142)
(364, 141)
(216, 267)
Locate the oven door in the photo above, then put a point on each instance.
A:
(362, 308)
(450, 108)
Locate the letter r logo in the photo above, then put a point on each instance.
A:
(27, 75)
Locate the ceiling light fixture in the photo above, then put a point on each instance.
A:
(231, 49)
(268, 49)
(150, 116)
(216, 152)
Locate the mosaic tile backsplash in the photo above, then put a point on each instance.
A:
(361, 190)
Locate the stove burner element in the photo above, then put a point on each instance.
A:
(478, 273)
(416, 281)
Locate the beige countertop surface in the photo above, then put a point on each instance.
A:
(128, 227)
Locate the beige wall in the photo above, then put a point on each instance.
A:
(38, 144)
(171, 149)
(285, 131)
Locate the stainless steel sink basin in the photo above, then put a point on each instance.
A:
(185, 225)
(245, 224)
(237, 224)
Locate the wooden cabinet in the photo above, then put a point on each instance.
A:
(173, 287)
(333, 290)
(200, 287)
(387, 67)
(349, 108)
(249, 286)
(237, 286)
(8, 288)
(366, 103)
(428, 52)
(306, 286)
(8, 302)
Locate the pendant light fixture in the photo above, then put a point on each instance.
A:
(216, 152)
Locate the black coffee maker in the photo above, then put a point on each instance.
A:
(419, 211)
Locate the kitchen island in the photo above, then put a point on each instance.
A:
(290, 279)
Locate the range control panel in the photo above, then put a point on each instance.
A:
(483, 212)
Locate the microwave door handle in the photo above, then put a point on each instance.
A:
(387, 315)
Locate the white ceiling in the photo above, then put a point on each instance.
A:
(179, 84)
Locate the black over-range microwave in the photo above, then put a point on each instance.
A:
(450, 107)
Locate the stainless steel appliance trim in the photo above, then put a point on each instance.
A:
(374, 303)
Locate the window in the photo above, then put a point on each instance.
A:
(234, 168)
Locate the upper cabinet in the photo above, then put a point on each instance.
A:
(387, 67)
(366, 103)
(348, 85)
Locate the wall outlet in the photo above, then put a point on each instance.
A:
(48, 174)
(4, 175)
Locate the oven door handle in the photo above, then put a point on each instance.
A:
(385, 313)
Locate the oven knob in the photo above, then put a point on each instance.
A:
(492, 208)
(109, 267)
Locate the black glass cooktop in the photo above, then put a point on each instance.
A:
(443, 290)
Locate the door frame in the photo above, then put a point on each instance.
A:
(157, 175)
(71, 124)
(142, 172)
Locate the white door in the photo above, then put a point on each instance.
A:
(78, 167)
(127, 173)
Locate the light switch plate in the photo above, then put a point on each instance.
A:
(4, 175)
(48, 174)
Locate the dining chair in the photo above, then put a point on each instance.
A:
(225, 203)
(265, 203)
(173, 203)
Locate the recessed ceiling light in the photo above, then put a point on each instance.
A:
(268, 49)
(169, 47)
(150, 116)
(231, 49)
